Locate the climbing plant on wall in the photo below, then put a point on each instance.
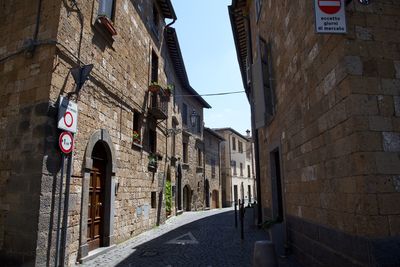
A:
(168, 197)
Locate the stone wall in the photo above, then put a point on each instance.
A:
(336, 128)
(24, 110)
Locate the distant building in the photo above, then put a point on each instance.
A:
(213, 185)
(237, 165)
(326, 125)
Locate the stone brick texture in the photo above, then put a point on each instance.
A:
(30, 160)
(24, 108)
(336, 123)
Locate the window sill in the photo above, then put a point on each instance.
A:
(137, 146)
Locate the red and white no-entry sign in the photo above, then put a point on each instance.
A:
(330, 6)
(330, 16)
(66, 142)
(67, 115)
(68, 119)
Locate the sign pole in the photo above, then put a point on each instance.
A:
(66, 207)
(58, 238)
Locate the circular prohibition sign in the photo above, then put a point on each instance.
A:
(330, 6)
(68, 119)
(66, 142)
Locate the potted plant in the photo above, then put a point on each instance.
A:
(136, 137)
(169, 90)
(154, 87)
(152, 166)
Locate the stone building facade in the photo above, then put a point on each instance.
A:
(325, 113)
(238, 179)
(212, 157)
(124, 156)
(188, 124)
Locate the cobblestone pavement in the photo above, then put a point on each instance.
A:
(205, 238)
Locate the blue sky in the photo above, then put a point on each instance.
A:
(206, 41)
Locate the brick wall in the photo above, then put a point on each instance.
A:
(336, 126)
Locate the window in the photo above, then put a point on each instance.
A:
(184, 114)
(233, 143)
(266, 78)
(199, 157)
(137, 126)
(248, 171)
(234, 167)
(153, 140)
(240, 145)
(105, 16)
(212, 168)
(153, 200)
(156, 21)
(185, 152)
(107, 9)
(150, 136)
(241, 169)
(154, 67)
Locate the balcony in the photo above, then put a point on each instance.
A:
(159, 105)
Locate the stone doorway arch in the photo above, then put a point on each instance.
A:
(100, 140)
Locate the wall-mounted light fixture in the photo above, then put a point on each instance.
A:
(193, 118)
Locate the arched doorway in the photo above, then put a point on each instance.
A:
(187, 198)
(96, 201)
(207, 189)
(215, 199)
(98, 194)
(179, 189)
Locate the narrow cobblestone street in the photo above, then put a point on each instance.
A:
(204, 238)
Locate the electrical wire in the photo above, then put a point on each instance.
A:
(216, 94)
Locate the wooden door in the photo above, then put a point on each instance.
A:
(96, 209)
(215, 197)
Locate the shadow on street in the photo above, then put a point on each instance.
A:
(212, 241)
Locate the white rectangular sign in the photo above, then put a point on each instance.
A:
(330, 16)
(67, 115)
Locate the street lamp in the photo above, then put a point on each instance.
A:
(193, 118)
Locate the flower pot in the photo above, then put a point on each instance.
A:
(154, 88)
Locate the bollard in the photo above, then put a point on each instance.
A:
(235, 215)
(264, 254)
